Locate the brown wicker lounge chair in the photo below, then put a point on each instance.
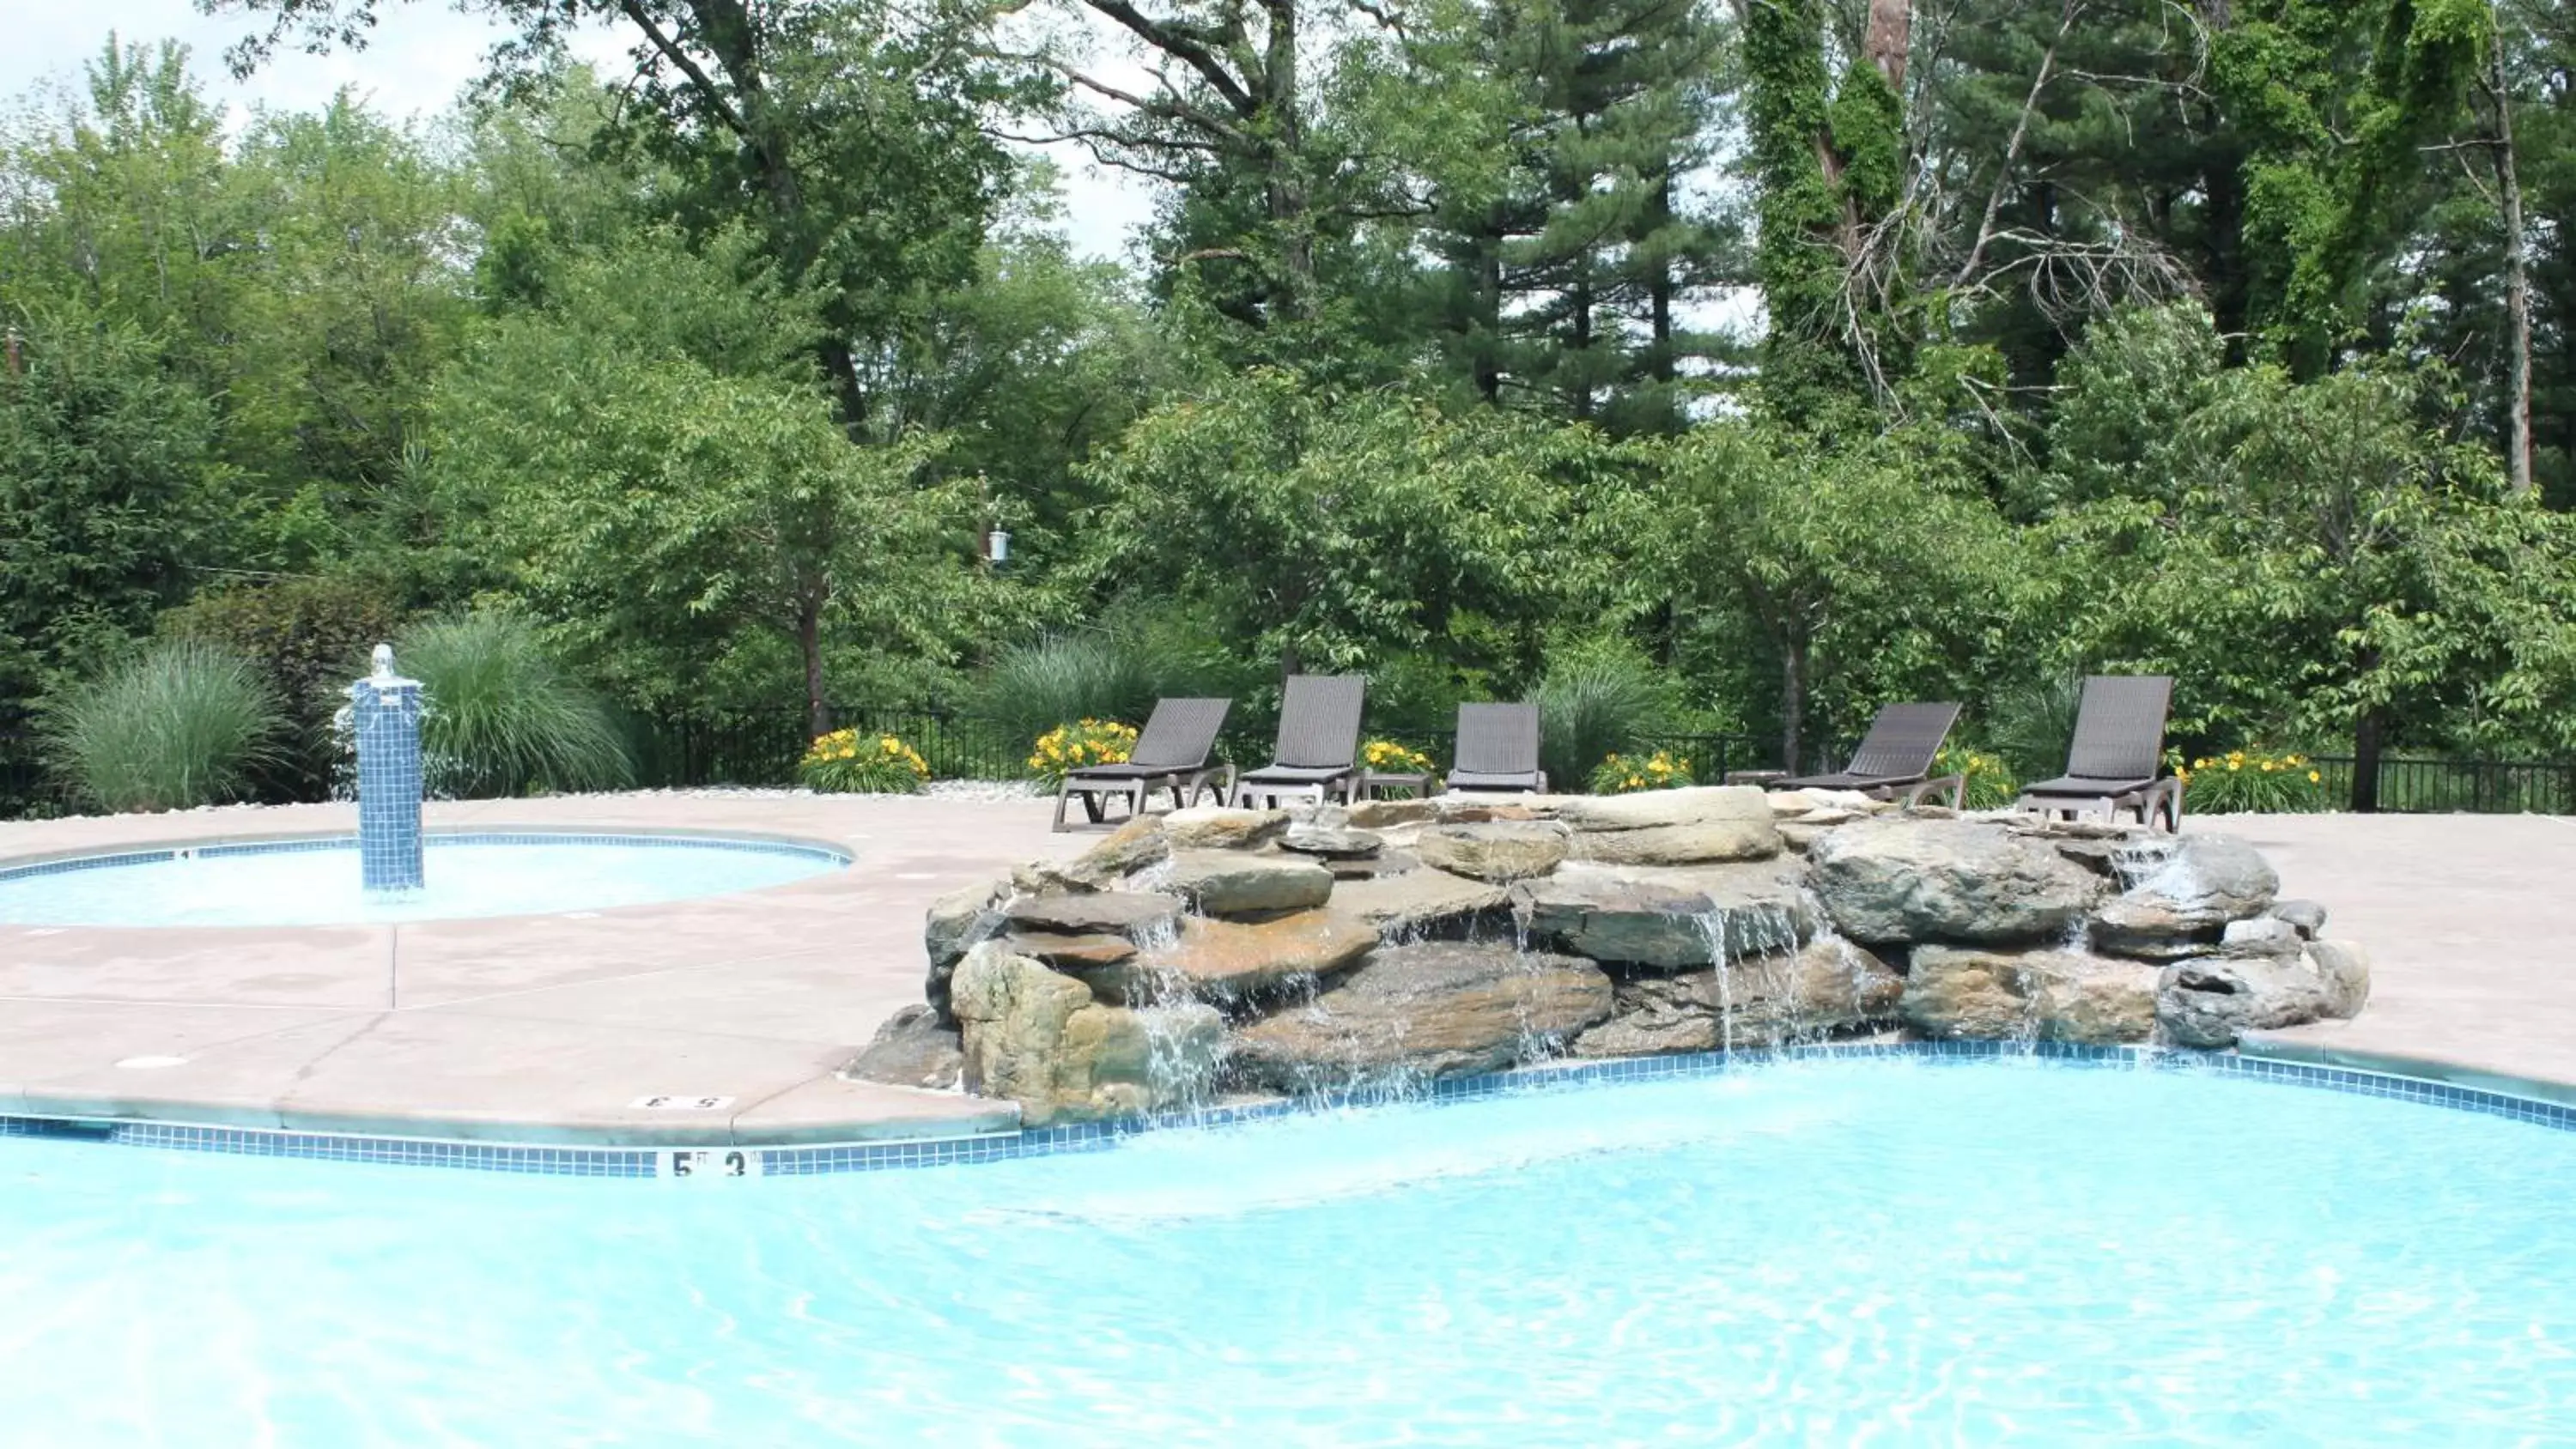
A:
(1171, 754)
(1895, 758)
(1319, 742)
(1497, 749)
(2116, 762)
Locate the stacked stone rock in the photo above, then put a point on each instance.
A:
(1265, 951)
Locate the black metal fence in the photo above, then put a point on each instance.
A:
(2483, 787)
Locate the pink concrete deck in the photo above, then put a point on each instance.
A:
(547, 1028)
(522, 1029)
(2471, 925)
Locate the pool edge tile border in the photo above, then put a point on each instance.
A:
(740, 1159)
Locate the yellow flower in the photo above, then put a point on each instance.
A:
(1634, 782)
(2314, 777)
(2231, 767)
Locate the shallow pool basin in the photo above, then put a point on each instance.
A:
(314, 881)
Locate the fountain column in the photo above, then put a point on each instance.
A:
(384, 713)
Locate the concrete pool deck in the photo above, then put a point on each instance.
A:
(539, 1029)
(519, 1029)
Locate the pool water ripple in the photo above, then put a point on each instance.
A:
(1853, 1252)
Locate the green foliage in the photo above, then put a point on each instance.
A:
(2252, 781)
(704, 518)
(501, 717)
(1619, 774)
(1599, 700)
(301, 634)
(2031, 724)
(1326, 531)
(1863, 572)
(1094, 674)
(846, 762)
(182, 724)
(108, 502)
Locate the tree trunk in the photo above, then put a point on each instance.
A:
(809, 644)
(1659, 288)
(1489, 314)
(1285, 192)
(2517, 277)
(2366, 736)
(1793, 701)
(1890, 35)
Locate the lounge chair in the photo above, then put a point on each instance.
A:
(1172, 754)
(1319, 742)
(1895, 757)
(1497, 749)
(2116, 762)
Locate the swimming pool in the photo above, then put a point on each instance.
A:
(314, 882)
(1845, 1252)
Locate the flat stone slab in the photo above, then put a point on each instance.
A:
(1099, 913)
(1229, 883)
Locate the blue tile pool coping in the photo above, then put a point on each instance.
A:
(746, 1160)
(671, 840)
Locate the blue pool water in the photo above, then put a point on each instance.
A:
(316, 883)
(1860, 1252)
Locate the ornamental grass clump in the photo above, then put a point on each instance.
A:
(846, 762)
(2247, 782)
(1598, 701)
(183, 725)
(501, 717)
(1080, 744)
(1089, 676)
(1627, 774)
(1990, 782)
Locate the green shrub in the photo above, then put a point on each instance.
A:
(502, 718)
(1991, 784)
(181, 725)
(300, 634)
(1627, 774)
(1596, 702)
(846, 762)
(1033, 688)
(2256, 781)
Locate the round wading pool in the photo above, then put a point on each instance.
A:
(1831, 1252)
(315, 882)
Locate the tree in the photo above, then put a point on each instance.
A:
(111, 504)
(850, 136)
(1828, 157)
(1567, 278)
(1861, 569)
(1331, 531)
(669, 509)
(2312, 559)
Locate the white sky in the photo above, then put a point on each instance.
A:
(421, 55)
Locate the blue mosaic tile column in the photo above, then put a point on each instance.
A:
(384, 713)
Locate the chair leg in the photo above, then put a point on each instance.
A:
(1063, 788)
